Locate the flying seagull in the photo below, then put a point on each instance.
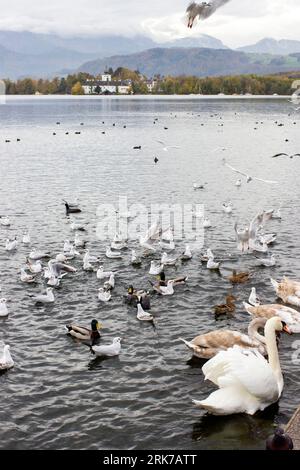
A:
(203, 10)
(286, 155)
(167, 147)
(248, 177)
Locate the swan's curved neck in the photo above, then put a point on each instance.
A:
(270, 336)
(253, 330)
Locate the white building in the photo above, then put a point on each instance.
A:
(98, 87)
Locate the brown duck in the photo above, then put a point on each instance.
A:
(229, 307)
(239, 278)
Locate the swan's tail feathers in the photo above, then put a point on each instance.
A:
(227, 401)
(275, 284)
(248, 308)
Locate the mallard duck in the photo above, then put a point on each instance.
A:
(239, 278)
(83, 333)
(229, 307)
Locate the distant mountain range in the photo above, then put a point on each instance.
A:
(45, 55)
(200, 62)
(271, 46)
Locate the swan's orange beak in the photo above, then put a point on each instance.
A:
(287, 330)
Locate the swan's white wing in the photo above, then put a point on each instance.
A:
(248, 369)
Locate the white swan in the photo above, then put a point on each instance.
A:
(208, 345)
(247, 382)
(6, 361)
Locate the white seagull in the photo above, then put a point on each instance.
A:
(248, 177)
(108, 350)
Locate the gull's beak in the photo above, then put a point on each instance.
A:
(287, 330)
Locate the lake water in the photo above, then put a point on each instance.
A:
(58, 396)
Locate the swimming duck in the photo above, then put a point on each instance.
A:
(3, 308)
(72, 208)
(239, 278)
(288, 291)
(289, 316)
(6, 361)
(77, 226)
(83, 333)
(207, 345)
(229, 307)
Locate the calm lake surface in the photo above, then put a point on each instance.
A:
(58, 396)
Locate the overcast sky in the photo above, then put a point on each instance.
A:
(238, 23)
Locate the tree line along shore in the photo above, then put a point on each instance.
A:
(72, 84)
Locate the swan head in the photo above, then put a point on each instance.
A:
(278, 325)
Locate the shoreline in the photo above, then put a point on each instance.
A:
(149, 97)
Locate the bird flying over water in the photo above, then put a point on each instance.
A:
(203, 10)
(248, 177)
(286, 155)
